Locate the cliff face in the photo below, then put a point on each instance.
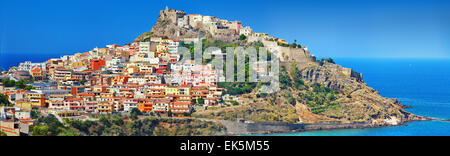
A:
(353, 102)
(332, 76)
(358, 101)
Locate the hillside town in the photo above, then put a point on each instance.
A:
(113, 79)
(144, 75)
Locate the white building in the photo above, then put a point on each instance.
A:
(129, 104)
(144, 47)
(27, 66)
(247, 31)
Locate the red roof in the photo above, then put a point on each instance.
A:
(74, 99)
(86, 94)
(159, 84)
(37, 70)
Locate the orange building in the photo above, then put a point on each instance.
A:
(145, 105)
(95, 64)
(37, 74)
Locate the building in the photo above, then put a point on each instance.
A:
(161, 106)
(23, 104)
(144, 47)
(73, 104)
(130, 104)
(91, 106)
(38, 74)
(27, 66)
(247, 31)
(145, 105)
(61, 74)
(36, 99)
(19, 75)
(96, 64)
(181, 108)
(105, 107)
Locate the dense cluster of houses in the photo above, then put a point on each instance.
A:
(142, 75)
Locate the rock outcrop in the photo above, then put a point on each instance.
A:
(166, 26)
(359, 102)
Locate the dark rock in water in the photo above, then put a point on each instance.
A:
(401, 104)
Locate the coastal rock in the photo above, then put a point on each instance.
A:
(360, 102)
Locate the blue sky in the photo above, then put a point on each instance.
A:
(330, 28)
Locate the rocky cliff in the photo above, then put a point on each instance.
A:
(352, 101)
(357, 100)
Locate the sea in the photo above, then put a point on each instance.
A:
(421, 83)
(7, 60)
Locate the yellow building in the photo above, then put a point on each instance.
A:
(171, 90)
(77, 65)
(184, 90)
(105, 107)
(36, 99)
(132, 69)
(23, 104)
(162, 48)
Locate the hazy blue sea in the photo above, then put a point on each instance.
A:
(421, 83)
(8, 60)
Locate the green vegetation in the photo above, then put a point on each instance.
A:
(82, 82)
(200, 101)
(297, 81)
(242, 37)
(329, 60)
(135, 113)
(283, 44)
(35, 114)
(320, 99)
(4, 101)
(317, 96)
(21, 84)
(48, 126)
(3, 134)
(237, 88)
(115, 125)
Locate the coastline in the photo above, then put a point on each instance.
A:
(235, 128)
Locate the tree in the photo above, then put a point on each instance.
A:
(135, 113)
(4, 101)
(329, 60)
(242, 37)
(28, 87)
(200, 101)
(82, 82)
(296, 76)
(294, 45)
